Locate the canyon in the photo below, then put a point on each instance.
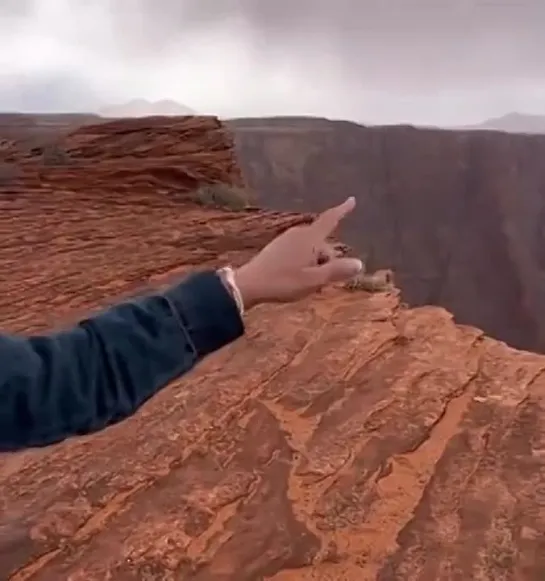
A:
(458, 215)
(346, 437)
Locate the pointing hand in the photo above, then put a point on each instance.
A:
(298, 262)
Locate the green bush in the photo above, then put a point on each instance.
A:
(222, 196)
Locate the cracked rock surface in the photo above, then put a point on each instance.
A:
(343, 438)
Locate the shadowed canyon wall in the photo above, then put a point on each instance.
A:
(458, 215)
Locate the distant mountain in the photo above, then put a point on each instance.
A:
(514, 123)
(143, 108)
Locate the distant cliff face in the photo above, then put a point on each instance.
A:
(460, 216)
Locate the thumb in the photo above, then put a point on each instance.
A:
(336, 270)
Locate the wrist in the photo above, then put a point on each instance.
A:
(227, 277)
(249, 290)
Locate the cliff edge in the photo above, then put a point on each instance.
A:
(345, 437)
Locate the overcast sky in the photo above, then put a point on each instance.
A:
(379, 61)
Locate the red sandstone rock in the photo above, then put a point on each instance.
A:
(34, 130)
(344, 438)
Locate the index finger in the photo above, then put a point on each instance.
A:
(327, 221)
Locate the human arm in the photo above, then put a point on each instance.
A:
(101, 371)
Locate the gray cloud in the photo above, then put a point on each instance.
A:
(16, 8)
(47, 94)
(374, 43)
(435, 61)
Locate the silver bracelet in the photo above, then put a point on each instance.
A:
(227, 274)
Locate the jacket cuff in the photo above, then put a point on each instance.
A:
(207, 311)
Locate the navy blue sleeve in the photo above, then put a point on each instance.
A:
(100, 372)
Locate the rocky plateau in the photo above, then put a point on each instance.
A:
(344, 438)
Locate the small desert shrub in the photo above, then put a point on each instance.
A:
(55, 155)
(221, 196)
